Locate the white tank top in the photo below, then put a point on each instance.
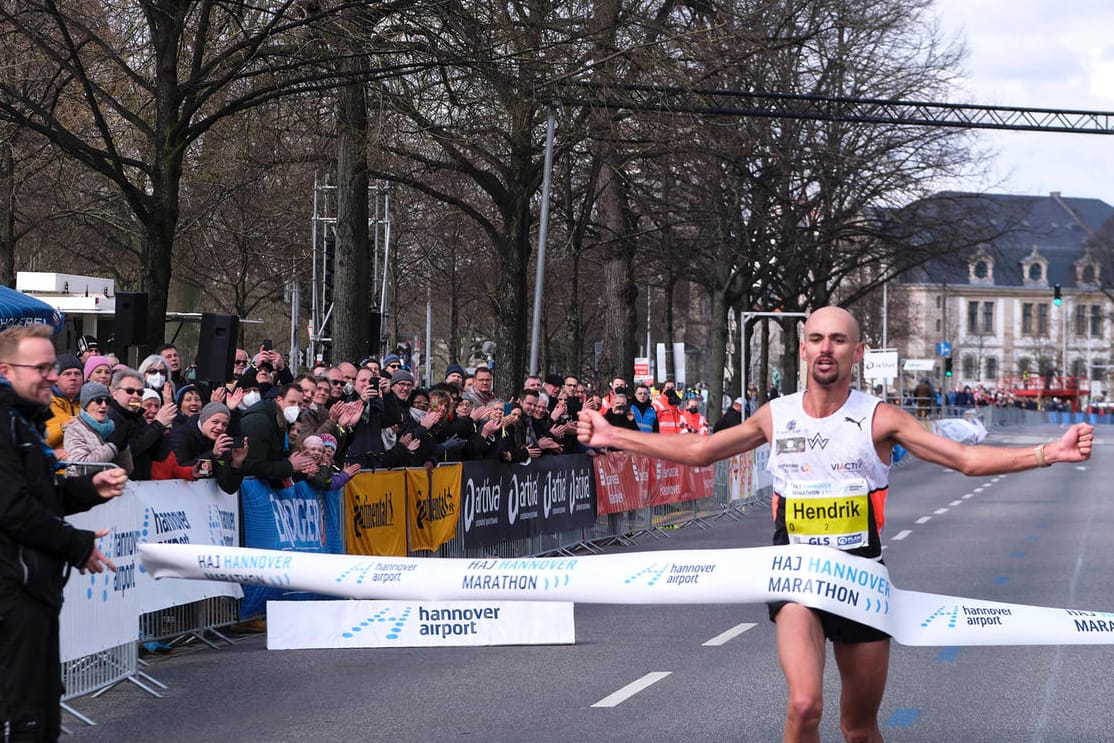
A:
(829, 484)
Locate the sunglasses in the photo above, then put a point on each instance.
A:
(100, 400)
(133, 390)
(336, 382)
(392, 366)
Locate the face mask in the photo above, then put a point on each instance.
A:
(250, 398)
(291, 413)
(155, 381)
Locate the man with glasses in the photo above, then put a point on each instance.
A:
(482, 383)
(37, 547)
(391, 364)
(149, 442)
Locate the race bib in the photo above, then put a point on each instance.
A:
(832, 514)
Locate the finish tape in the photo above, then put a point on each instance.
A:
(820, 577)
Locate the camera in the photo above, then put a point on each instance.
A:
(237, 442)
(348, 393)
(267, 344)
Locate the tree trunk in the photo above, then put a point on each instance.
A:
(7, 213)
(353, 298)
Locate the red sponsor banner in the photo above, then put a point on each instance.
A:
(673, 483)
(622, 482)
(701, 482)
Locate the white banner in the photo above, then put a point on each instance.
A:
(880, 365)
(184, 512)
(819, 577)
(101, 610)
(298, 625)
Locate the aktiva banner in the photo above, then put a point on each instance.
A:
(501, 502)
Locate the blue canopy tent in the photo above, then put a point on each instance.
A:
(17, 308)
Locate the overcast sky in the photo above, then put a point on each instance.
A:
(1046, 54)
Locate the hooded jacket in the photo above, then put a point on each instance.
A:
(37, 546)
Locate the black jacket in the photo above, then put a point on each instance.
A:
(36, 544)
(149, 442)
(190, 445)
(268, 444)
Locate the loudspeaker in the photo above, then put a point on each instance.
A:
(216, 351)
(131, 322)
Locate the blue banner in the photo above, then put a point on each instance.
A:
(298, 518)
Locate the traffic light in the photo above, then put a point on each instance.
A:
(948, 366)
(1056, 298)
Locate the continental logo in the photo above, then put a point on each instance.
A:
(372, 513)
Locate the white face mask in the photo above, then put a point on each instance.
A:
(291, 413)
(155, 381)
(250, 398)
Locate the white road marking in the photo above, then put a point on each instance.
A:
(901, 534)
(969, 495)
(939, 511)
(923, 520)
(723, 637)
(1081, 467)
(955, 503)
(978, 490)
(628, 691)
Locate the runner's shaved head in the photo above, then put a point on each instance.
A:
(834, 316)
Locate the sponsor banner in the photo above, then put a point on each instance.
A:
(185, 512)
(375, 503)
(101, 611)
(740, 476)
(433, 504)
(622, 481)
(819, 577)
(502, 502)
(413, 624)
(673, 483)
(291, 518)
(762, 478)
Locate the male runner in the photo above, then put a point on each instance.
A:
(842, 441)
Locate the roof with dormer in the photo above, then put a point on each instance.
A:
(1053, 228)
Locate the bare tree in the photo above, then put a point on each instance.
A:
(126, 90)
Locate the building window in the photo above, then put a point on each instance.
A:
(1036, 271)
(972, 317)
(939, 301)
(982, 270)
(1096, 321)
(991, 368)
(1089, 274)
(1080, 319)
(1042, 319)
(938, 325)
(988, 318)
(1079, 368)
(969, 371)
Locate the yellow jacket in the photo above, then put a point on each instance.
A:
(64, 410)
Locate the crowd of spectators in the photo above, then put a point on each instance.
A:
(328, 423)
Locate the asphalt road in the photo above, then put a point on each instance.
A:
(1042, 537)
